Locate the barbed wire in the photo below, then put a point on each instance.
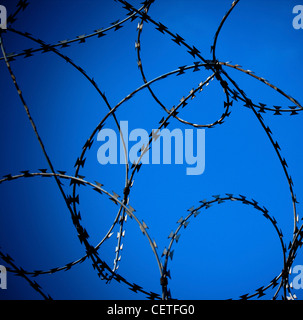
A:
(232, 92)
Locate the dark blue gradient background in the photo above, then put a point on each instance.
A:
(229, 249)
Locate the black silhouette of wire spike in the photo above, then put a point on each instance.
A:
(237, 94)
(275, 146)
(88, 146)
(197, 65)
(113, 110)
(78, 39)
(210, 63)
(194, 212)
(136, 167)
(21, 6)
(81, 162)
(98, 264)
(82, 235)
(163, 29)
(248, 102)
(23, 274)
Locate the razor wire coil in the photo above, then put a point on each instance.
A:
(232, 92)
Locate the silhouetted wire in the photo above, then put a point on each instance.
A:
(232, 92)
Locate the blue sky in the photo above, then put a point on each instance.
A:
(230, 249)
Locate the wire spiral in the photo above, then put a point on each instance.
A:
(232, 92)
